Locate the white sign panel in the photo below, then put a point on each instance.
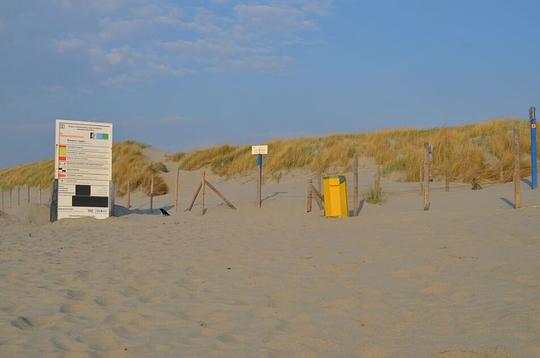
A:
(83, 167)
(259, 149)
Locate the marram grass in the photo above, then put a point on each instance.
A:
(479, 152)
(464, 153)
(129, 165)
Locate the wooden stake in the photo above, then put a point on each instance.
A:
(229, 204)
(195, 197)
(447, 183)
(203, 189)
(319, 199)
(356, 201)
(11, 197)
(421, 179)
(517, 171)
(18, 196)
(152, 194)
(2, 198)
(28, 189)
(259, 186)
(177, 194)
(39, 194)
(129, 195)
(426, 175)
(309, 195)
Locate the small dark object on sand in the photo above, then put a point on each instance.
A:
(476, 185)
(164, 212)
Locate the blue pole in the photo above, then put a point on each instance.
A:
(534, 167)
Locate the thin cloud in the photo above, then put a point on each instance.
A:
(135, 41)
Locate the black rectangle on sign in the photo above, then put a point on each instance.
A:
(90, 201)
(82, 190)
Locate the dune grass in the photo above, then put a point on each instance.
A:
(129, 165)
(466, 152)
(373, 196)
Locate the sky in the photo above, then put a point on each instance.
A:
(188, 74)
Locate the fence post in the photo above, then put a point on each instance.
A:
(309, 195)
(203, 189)
(129, 194)
(421, 179)
(11, 197)
(517, 171)
(40, 194)
(356, 202)
(28, 188)
(319, 181)
(152, 194)
(177, 189)
(2, 198)
(426, 175)
(534, 159)
(446, 183)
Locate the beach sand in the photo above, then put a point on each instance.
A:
(462, 280)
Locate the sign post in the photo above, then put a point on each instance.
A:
(534, 166)
(83, 170)
(259, 150)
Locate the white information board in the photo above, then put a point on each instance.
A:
(83, 167)
(259, 149)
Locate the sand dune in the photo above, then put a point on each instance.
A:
(458, 281)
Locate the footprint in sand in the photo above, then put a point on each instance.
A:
(23, 323)
(82, 310)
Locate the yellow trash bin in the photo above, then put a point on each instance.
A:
(335, 197)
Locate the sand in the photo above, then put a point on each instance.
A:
(461, 280)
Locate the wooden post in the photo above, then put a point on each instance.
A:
(203, 189)
(18, 196)
(152, 194)
(129, 195)
(177, 190)
(2, 198)
(446, 183)
(229, 204)
(319, 181)
(40, 194)
(195, 197)
(309, 195)
(259, 184)
(319, 199)
(28, 189)
(11, 197)
(356, 202)
(517, 171)
(421, 179)
(426, 176)
(378, 179)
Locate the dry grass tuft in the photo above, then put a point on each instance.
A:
(373, 196)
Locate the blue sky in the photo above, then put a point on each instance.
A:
(187, 74)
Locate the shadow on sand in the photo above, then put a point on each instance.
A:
(360, 207)
(508, 202)
(123, 211)
(273, 195)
